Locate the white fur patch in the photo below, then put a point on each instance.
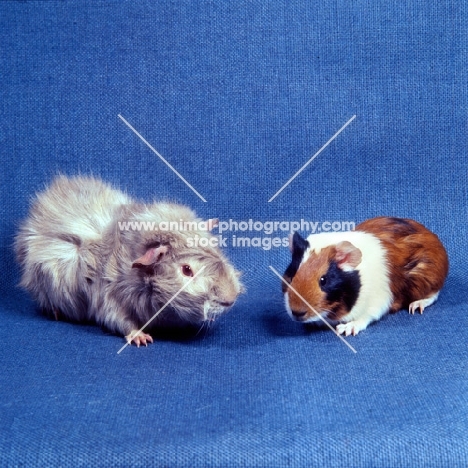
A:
(375, 296)
(286, 303)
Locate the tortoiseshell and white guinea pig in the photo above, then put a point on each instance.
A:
(79, 264)
(356, 277)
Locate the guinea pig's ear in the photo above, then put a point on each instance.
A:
(212, 223)
(297, 244)
(150, 257)
(348, 257)
(208, 225)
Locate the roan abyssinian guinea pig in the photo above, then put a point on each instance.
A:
(80, 264)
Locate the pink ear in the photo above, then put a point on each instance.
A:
(208, 225)
(151, 256)
(347, 256)
(212, 223)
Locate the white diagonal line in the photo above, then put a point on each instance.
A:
(162, 308)
(313, 310)
(160, 157)
(312, 158)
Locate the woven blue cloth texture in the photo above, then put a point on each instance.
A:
(238, 96)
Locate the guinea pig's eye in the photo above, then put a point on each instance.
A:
(186, 270)
(323, 280)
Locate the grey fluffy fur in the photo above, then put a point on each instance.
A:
(78, 264)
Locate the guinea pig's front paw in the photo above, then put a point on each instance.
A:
(350, 328)
(138, 338)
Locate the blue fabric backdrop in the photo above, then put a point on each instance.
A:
(237, 96)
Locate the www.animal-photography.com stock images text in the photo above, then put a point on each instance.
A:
(265, 235)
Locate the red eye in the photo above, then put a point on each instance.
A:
(186, 270)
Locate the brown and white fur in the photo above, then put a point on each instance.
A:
(80, 265)
(356, 277)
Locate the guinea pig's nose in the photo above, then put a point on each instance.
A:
(298, 314)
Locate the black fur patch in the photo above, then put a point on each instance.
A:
(152, 244)
(401, 226)
(300, 245)
(341, 286)
(145, 270)
(70, 238)
(410, 265)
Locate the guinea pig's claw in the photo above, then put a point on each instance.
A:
(414, 306)
(138, 338)
(350, 328)
(56, 313)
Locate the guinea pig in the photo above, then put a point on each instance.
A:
(83, 260)
(385, 265)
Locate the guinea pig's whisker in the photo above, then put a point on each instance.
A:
(206, 327)
(206, 311)
(200, 329)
